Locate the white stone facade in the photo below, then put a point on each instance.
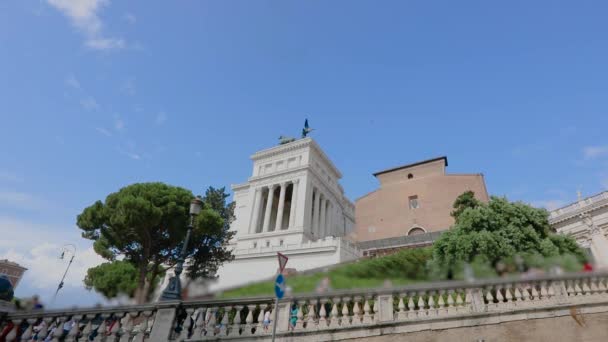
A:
(587, 221)
(293, 204)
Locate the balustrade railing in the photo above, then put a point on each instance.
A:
(245, 318)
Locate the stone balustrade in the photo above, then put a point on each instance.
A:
(333, 315)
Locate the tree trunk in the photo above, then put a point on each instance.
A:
(141, 292)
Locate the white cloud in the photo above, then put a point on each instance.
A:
(89, 103)
(72, 82)
(549, 204)
(105, 43)
(83, 14)
(38, 247)
(591, 152)
(103, 131)
(160, 118)
(130, 18)
(131, 155)
(20, 200)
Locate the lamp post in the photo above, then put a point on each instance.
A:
(173, 291)
(65, 249)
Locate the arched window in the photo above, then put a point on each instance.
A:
(416, 231)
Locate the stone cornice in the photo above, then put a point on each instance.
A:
(277, 177)
(296, 145)
(573, 211)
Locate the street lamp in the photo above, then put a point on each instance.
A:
(65, 249)
(173, 291)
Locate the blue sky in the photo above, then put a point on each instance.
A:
(98, 94)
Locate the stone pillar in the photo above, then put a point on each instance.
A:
(268, 211)
(330, 217)
(322, 226)
(253, 225)
(279, 224)
(294, 200)
(315, 215)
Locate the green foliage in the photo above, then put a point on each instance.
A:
(464, 201)
(407, 263)
(145, 223)
(213, 233)
(497, 231)
(115, 278)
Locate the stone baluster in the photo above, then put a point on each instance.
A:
(116, 330)
(128, 327)
(441, 310)
(235, 330)
(460, 307)
(88, 328)
(260, 327)
(376, 310)
(411, 306)
(58, 333)
(451, 309)
(468, 300)
(534, 295)
(323, 314)
(508, 296)
(185, 333)
(334, 323)
(367, 317)
(357, 318)
(300, 315)
(212, 321)
(249, 320)
(27, 334)
(601, 287)
(12, 336)
(544, 294)
(585, 288)
(199, 324)
(422, 311)
(518, 295)
(140, 335)
(489, 297)
(577, 288)
(401, 306)
(225, 321)
(75, 330)
(431, 303)
(345, 320)
(102, 330)
(311, 316)
(44, 331)
(593, 285)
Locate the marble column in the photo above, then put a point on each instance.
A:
(315, 214)
(322, 226)
(256, 210)
(279, 224)
(268, 211)
(330, 215)
(294, 200)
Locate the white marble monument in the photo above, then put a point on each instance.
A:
(586, 221)
(293, 204)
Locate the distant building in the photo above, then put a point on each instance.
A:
(412, 199)
(13, 271)
(586, 220)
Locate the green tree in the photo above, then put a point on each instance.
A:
(497, 231)
(114, 278)
(211, 253)
(464, 201)
(145, 224)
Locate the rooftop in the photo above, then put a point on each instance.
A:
(445, 159)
